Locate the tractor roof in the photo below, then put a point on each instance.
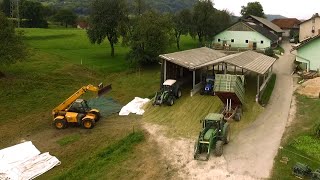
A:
(169, 82)
(79, 100)
(214, 117)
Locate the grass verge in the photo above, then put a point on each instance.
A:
(268, 91)
(68, 139)
(299, 142)
(96, 165)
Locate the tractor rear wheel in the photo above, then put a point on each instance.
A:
(179, 93)
(97, 114)
(238, 114)
(226, 134)
(88, 123)
(219, 148)
(171, 101)
(60, 123)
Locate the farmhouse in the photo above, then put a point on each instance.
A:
(308, 53)
(246, 35)
(310, 27)
(190, 66)
(288, 25)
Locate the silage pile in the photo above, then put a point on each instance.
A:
(310, 88)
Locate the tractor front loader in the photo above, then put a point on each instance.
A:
(215, 133)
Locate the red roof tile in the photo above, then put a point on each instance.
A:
(286, 23)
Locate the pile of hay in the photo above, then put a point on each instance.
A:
(310, 88)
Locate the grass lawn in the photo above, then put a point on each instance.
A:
(299, 142)
(268, 91)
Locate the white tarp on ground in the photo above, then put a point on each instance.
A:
(24, 161)
(135, 106)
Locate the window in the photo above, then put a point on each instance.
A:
(232, 40)
(247, 41)
(313, 20)
(219, 40)
(261, 42)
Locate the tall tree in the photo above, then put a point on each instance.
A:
(5, 7)
(105, 20)
(204, 21)
(140, 6)
(181, 24)
(252, 8)
(151, 36)
(33, 12)
(12, 48)
(224, 19)
(66, 17)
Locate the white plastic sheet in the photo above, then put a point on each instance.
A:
(135, 106)
(24, 161)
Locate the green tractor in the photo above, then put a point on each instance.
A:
(169, 92)
(215, 133)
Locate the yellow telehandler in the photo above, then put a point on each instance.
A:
(77, 111)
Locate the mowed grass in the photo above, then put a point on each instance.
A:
(299, 143)
(52, 72)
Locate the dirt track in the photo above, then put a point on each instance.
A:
(248, 156)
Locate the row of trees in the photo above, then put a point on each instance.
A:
(34, 14)
(149, 33)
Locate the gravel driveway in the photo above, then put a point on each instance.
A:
(253, 150)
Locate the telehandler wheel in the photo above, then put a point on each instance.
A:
(88, 123)
(219, 148)
(226, 134)
(60, 123)
(98, 115)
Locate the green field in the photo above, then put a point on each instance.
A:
(299, 142)
(63, 60)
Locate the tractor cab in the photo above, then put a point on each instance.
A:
(169, 92)
(79, 106)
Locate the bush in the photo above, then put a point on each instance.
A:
(316, 129)
(269, 52)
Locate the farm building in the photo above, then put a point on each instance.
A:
(288, 25)
(309, 28)
(308, 54)
(190, 66)
(265, 23)
(246, 35)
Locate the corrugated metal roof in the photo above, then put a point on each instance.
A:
(252, 61)
(263, 31)
(194, 58)
(268, 23)
(305, 42)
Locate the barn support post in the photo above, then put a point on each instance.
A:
(165, 71)
(258, 88)
(213, 70)
(225, 68)
(235, 70)
(194, 79)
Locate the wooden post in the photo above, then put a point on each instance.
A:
(235, 70)
(258, 88)
(213, 70)
(225, 68)
(242, 70)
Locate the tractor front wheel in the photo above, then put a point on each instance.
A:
(60, 123)
(219, 148)
(226, 134)
(97, 114)
(88, 123)
(179, 93)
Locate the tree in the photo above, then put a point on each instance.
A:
(66, 17)
(181, 24)
(140, 6)
(5, 7)
(105, 20)
(224, 20)
(151, 36)
(33, 12)
(12, 48)
(204, 20)
(252, 8)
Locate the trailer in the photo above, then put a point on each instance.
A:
(230, 90)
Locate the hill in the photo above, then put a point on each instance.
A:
(271, 17)
(82, 6)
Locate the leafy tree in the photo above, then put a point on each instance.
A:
(12, 48)
(204, 20)
(66, 17)
(5, 7)
(140, 6)
(151, 36)
(181, 24)
(33, 12)
(105, 20)
(224, 20)
(252, 8)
